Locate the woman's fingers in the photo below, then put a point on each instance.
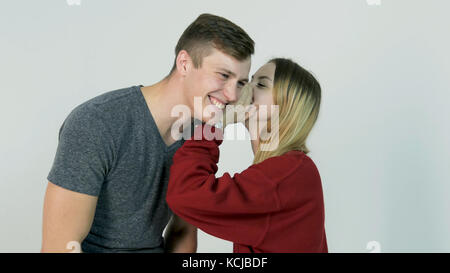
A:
(250, 111)
(239, 111)
(246, 95)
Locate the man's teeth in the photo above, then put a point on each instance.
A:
(217, 103)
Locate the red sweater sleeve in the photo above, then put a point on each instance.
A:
(234, 208)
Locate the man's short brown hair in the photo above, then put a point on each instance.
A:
(210, 31)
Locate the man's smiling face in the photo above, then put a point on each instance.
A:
(218, 81)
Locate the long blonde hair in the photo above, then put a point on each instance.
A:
(297, 94)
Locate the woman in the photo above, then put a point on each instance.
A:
(276, 205)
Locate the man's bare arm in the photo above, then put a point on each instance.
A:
(67, 217)
(180, 236)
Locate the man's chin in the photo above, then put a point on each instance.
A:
(212, 117)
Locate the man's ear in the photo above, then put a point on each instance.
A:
(184, 62)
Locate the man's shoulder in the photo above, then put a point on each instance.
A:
(105, 110)
(108, 105)
(111, 99)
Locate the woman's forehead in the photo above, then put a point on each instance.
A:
(267, 69)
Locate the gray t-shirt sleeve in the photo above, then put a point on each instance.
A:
(84, 154)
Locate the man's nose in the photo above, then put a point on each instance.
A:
(230, 93)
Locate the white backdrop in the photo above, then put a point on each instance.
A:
(381, 142)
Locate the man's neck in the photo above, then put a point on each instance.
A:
(161, 98)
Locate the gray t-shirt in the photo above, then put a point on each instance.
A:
(110, 147)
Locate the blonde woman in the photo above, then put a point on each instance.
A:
(276, 205)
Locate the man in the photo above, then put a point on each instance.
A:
(108, 182)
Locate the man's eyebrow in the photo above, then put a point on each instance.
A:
(232, 74)
(227, 71)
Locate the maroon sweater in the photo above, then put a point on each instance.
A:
(274, 206)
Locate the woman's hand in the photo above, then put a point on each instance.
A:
(241, 110)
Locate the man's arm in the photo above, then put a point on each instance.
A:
(67, 217)
(180, 236)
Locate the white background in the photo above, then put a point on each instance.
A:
(381, 142)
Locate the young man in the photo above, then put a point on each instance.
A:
(108, 182)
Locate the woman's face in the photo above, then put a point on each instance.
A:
(262, 84)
